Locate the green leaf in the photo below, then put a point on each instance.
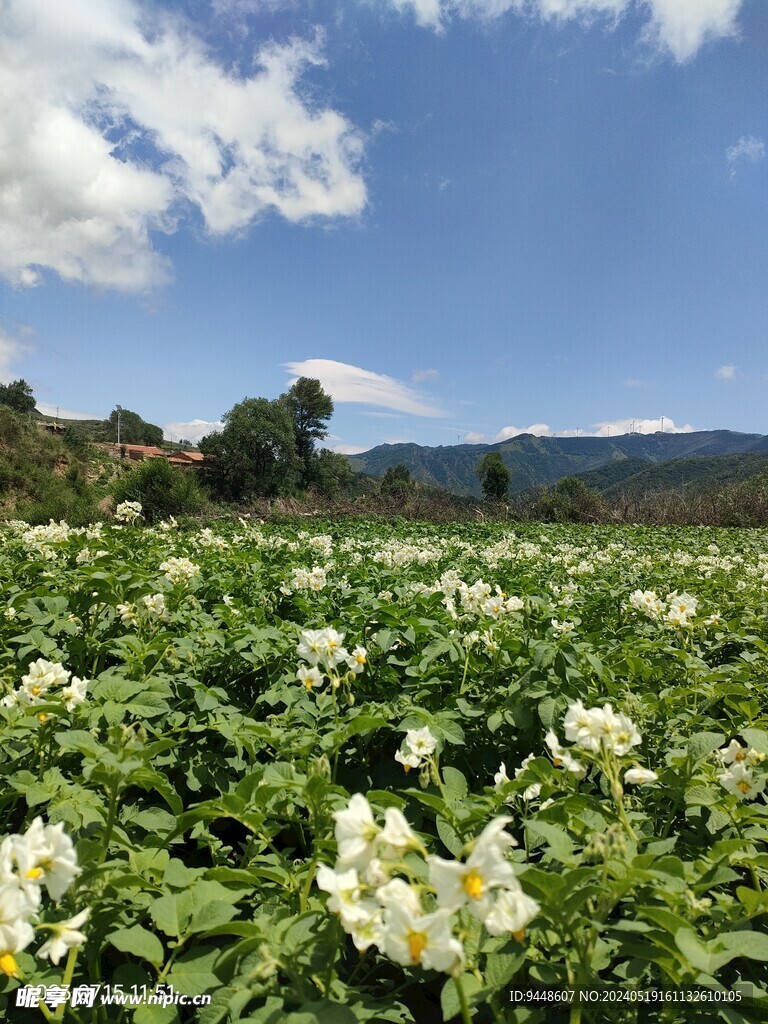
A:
(139, 942)
(703, 743)
(449, 996)
(710, 956)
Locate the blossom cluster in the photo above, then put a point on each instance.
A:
(128, 511)
(326, 656)
(677, 610)
(420, 745)
(46, 681)
(739, 777)
(313, 580)
(151, 607)
(179, 570)
(41, 857)
(413, 923)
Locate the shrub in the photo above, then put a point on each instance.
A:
(162, 490)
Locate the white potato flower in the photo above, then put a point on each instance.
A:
(66, 936)
(640, 776)
(357, 834)
(421, 940)
(740, 780)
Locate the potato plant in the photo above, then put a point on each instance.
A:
(328, 772)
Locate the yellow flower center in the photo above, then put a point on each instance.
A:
(741, 756)
(36, 690)
(34, 873)
(743, 787)
(473, 885)
(417, 942)
(8, 965)
(519, 936)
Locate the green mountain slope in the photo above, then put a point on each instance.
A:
(536, 461)
(634, 477)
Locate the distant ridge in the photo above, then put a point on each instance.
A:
(535, 461)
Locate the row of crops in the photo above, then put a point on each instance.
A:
(326, 772)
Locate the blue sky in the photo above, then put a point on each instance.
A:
(467, 218)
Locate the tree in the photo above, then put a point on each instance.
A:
(331, 473)
(255, 453)
(17, 396)
(309, 407)
(397, 480)
(494, 477)
(133, 429)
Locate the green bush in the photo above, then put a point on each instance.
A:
(162, 490)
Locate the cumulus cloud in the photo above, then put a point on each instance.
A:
(192, 430)
(117, 122)
(346, 383)
(749, 149)
(638, 426)
(606, 428)
(347, 449)
(14, 345)
(539, 429)
(678, 27)
(726, 372)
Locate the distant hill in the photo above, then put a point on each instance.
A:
(536, 461)
(635, 477)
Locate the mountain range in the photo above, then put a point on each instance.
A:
(608, 462)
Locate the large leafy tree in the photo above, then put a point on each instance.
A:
(255, 453)
(494, 477)
(310, 409)
(17, 396)
(133, 429)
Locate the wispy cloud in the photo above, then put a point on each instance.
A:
(678, 27)
(14, 345)
(419, 375)
(48, 409)
(118, 121)
(749, 149)
(346, 383)
(727, 372)
(635, 382)
(191, 430)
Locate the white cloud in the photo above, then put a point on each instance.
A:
(345, 383)
(347, 449)
(606, 428)
(679, 27)
(635, 382)
(117, 122)
(13, 347)
(749, 148)
(48, 409)
(419, 375)
(638, 426)
(726, 372)
(192, 430)
(539, 429)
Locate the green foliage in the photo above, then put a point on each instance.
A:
(494, 477)
(397, 480)
(18, 396)
(201, 781)
(569, 501)
(255, 453)
(330, 473)
(38, 478)
(76, 440)
(162, 489)
(133, 429)
(310, 408)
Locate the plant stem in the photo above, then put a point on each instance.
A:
(465, 1014)
(111, 818)
(66, 981)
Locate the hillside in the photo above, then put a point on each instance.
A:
(42, 477)
(541, 461)
(696, 473)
